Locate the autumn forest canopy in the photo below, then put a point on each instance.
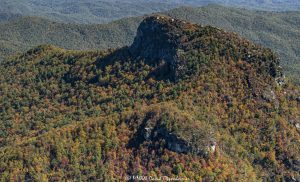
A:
(183, 100)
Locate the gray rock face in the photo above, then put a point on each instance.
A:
(270, 96)
(158, 39)
(174, 142)
(280, 80)
(297, 125)
(295, 122)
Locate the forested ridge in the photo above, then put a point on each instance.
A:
(276, 30)
(183, 100)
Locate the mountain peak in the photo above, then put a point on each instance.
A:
(161, 37)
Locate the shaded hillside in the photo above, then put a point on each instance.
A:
(278, 31)
(184, 100)
(22, 33)
(8, 16)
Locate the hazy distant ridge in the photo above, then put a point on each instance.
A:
(100, 11)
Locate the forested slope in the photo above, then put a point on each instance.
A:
(183, 101)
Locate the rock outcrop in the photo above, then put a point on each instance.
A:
(197, 142)
(160, 37)
(178, 132)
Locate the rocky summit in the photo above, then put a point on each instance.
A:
(161, 37)
(183, 101)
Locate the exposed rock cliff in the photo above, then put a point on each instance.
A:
(164, 38)
(179, 132)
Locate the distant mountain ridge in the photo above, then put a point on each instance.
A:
(83, 11)
(102, 11)
(279, 31)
